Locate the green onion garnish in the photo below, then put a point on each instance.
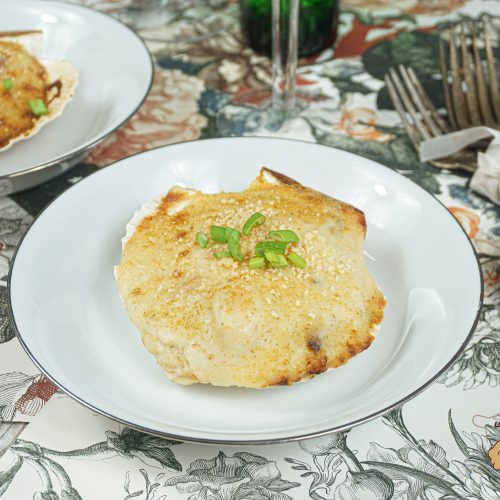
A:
(256, 219)
(38, 107)
(284, 235)
(276, 259)
(202, 239)
(8, 84)
(257, 262)
(270, 251)
(296, 260)
(235, 250)
(275, 246)
(218, 233)
(232, 234)
(222, 255)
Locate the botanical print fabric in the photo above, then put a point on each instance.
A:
(435, 447)
(444, 444)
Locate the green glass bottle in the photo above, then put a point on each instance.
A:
(318, 21)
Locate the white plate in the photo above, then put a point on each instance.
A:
(69, 318)
(115, 71)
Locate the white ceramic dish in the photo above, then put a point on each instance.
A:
(116, 73)
(66, 309)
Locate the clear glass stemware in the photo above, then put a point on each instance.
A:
(251, 114)
(284, 62)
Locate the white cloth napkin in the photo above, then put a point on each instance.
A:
(486, 179)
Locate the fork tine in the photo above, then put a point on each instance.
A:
(408, 104)
(410, 129)
(482, 89)
(428, 108)
(471, 94)
(458, 100)
(424, 114)
(446, 85)
(490, 60)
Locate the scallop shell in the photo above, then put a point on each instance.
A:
(61, 70)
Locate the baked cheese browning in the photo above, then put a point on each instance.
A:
(33, 92)
(29, 82)
(219, 321)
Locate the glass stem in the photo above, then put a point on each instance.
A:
(276, 55)
(291, 62)
(284, 74)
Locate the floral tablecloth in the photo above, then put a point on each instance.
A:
(443, 444)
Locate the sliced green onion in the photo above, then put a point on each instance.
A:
(232, 234)
(235, 250)
(202, 239)
(256, 219)
(222, 255)
(296, 260)
(218, 233)
(284, 235)
(275, 246)
(8, 84)
(257, 262)
(276, 259)
(38, 107)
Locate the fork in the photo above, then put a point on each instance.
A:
(420, 117)
(470, 83)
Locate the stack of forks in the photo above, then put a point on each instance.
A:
(470, 86)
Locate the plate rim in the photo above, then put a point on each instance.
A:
(259, 441)
(81, 150)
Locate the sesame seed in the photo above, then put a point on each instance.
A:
(274, 314)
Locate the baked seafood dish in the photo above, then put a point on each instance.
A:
(260, 288)
(33, 90)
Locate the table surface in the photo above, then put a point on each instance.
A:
(445, 443)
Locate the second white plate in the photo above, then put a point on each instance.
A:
(70, 320)
(115, 70)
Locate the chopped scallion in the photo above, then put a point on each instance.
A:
(202, 239)
(8, 84)
(38, 107)
(277, 260)
(235, 250)
(284, 235)
(218, 233)
(275, 246)
(256, 219)
(232, 234)
(296, 260)
(222, 255)
(257, 262)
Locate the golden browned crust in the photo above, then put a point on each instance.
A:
(51, 81)
(216, 321)
(280, 178)
(30, 80)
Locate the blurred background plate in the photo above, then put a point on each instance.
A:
(116, 73)
(70, 319)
